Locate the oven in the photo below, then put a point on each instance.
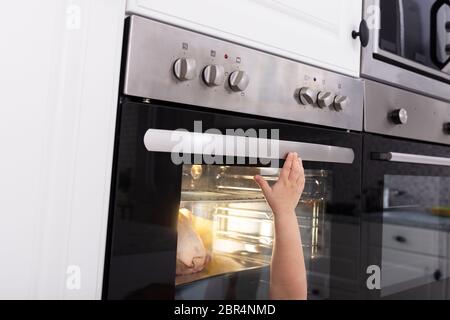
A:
(198, 119)
(406, 197)
(408, 45)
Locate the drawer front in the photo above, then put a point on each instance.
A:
(423, 241)
(401, 271)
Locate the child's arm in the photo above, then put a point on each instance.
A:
(287, 272)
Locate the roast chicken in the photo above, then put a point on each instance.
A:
(192, 255)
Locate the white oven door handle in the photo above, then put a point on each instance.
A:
(181, 141)
(412, 158)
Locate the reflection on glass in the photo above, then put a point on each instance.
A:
(418, 193)
(416, 222)
(230, 224)
(406, 28)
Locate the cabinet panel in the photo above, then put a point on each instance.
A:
(316, 32)
(55, 191)
(402, 271)
(424, 241)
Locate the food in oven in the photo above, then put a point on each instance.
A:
(230, 222)
(192, 255)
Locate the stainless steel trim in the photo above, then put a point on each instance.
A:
(413, 158)
(372, 68)
(446, 68)
(401, 12)
(273, 86)
(413, 64)
(185, 142)
(427, 117)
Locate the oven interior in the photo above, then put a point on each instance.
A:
(225, 227)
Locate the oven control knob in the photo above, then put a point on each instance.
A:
(340, 103)
(238, 81)
(185, 69)
(447, 128)
(399, 116)
(214, 75)
(325, 99)
(307, 96)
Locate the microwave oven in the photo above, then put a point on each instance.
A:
(408, 45)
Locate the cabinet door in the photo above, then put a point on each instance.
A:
(55, 191)
(409, 275)
(316, 32)
(419, 240)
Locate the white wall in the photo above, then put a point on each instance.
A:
(59, 75)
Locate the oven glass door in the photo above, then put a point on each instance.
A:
(416, 32)
(406, 187)
(201, 229)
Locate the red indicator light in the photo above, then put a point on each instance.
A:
(225, 56)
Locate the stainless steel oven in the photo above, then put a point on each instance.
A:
(186, 225)
(406, 194)
(409, 45)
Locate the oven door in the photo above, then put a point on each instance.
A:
(406, 204)
(409, 44)
(194, 227)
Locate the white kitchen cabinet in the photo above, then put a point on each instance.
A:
(418, 240)
(316, 32)
(415, 261)
(402, 271)
(59, 76)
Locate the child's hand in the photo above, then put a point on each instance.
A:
(284, 195)
(287, 270)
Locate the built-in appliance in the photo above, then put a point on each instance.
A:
(408, 45)
(406, 194)
(198, 118)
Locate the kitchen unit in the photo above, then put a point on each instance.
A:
(58, 234)
(97, 207)
(406, 147)
(408, 45)
(405, 193)
(166, 211)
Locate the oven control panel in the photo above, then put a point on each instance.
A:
(172, 64)
(213, 74)
(400, 113)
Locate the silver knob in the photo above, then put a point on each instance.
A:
(307, 95)
(399, 116)
(185, 69)
(340, 102)
(214, 75)
(239, 81)
(325, 99)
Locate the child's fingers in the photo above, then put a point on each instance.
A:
(302, 170)
(300, 162)
(301, 178)
(295, 171)
(286, 170)
(262, 183)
